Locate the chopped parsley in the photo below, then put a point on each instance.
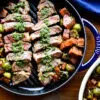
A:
(17, 6)
(44, 12)
(46, 21)
(44, 35)
(17, 47)
(21, 63)
(18, 18)
(20, 27)
(17, 36)
(47, 60)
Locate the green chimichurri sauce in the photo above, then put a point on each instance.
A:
(16, 36)
(46, 22)
(44, 35)
(18, 18)
(45, 41)
(17, 6)
(44, 12)
(20, 63)
(17, 47)
(20, 27)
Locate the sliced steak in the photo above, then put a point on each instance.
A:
(9, 47)
(23, 9)
(26, 67)
(20, 76)
(68, 21)
(10, 26)
(53, 52)
(15, 17)
(26, 55)
(46, 78)
(45, 10)
(66, 34)
(54, 41)
(48, 21)
(53, 30)
(44, 68)
(10, 39)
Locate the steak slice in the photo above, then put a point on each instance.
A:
(54, 63)
(9, 47)
(45, 10)
(14, 18)
(53, 31)
(16, 68)
(53, 52)
(54, 41)
(20, 76)
(23, 10)
(48, 21)
(26, 55)
(10, 26)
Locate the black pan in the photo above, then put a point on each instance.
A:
(32, 86)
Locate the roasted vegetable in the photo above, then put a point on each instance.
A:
(6, 66)
(64, 11)
(7, 75)
(77, 27)
(1, 28)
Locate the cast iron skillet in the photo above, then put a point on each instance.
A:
(32, 87)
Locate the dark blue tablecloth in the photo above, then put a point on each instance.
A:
(90, 5)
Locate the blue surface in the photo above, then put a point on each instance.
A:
(90, 5)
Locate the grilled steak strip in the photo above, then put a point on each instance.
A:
(9, 38)
(54, 63)
(20, 76)
(27, 67)
(48, 21)
(46, 80)
(26, 55)
(54, 53)
(8, 47)
(10, 26)
(45, 10)
(53, 30)
(54, 41)
(23, 10)
(14, 18)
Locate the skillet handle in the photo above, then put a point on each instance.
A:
(97, 44)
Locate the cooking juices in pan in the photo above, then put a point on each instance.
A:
(42, 52)
(92, 91)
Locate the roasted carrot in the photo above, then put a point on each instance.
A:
(64, 11)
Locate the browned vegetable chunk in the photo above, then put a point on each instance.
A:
(75, 51)
(68, 43)
(68, 21)
(80, 42)
(64, 11)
